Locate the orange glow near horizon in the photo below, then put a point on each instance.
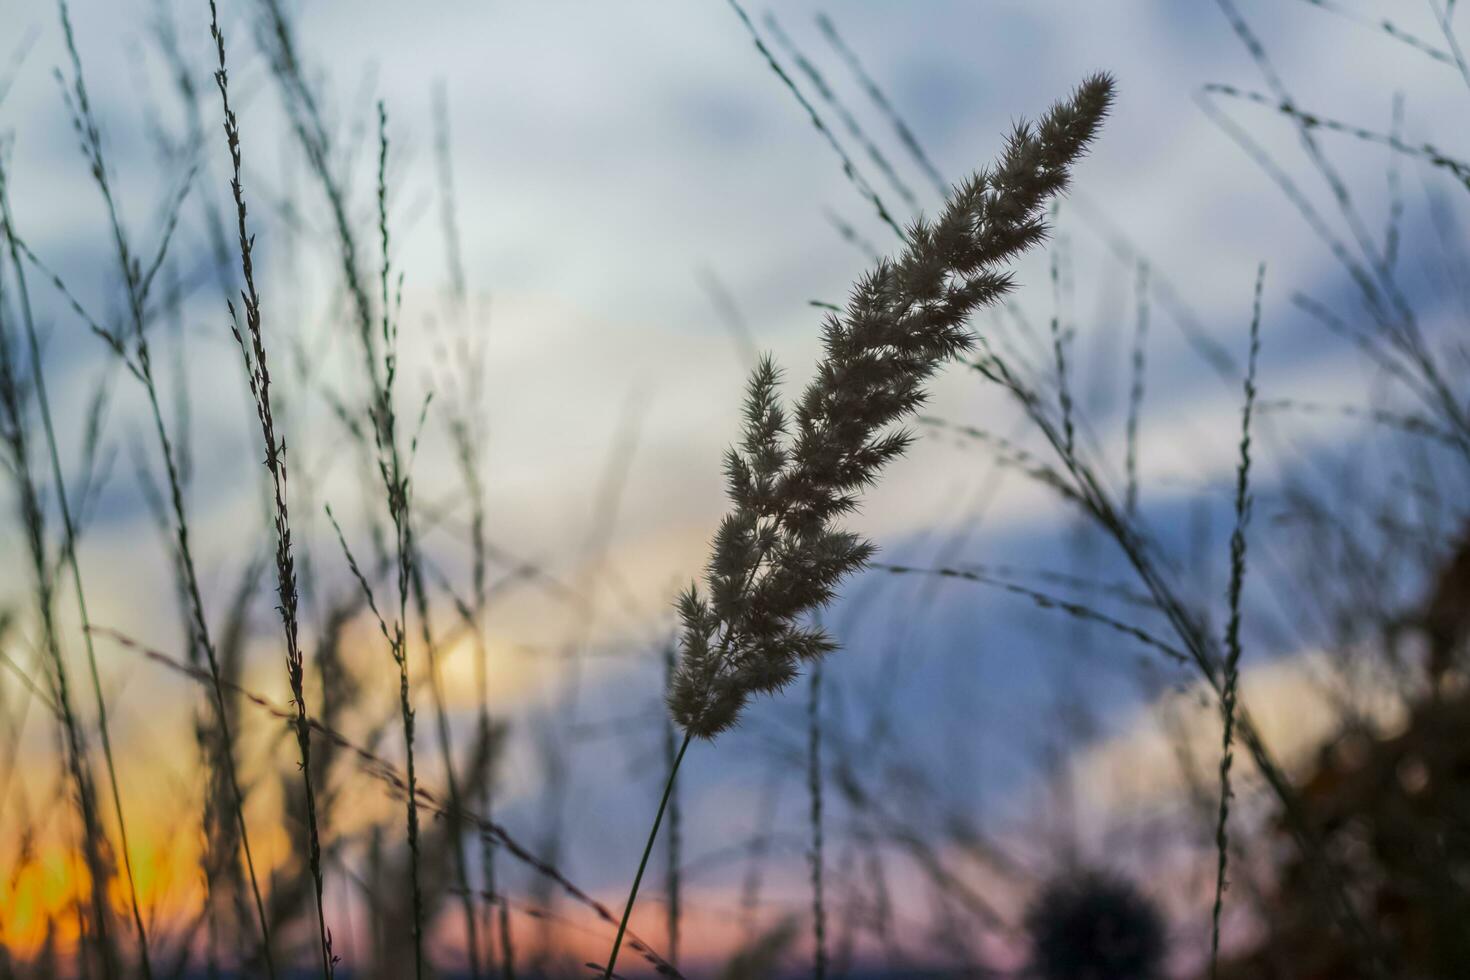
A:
(45, 894)
(42, 891)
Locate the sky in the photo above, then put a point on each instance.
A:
(623, 175)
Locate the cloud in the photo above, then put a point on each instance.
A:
(1297, 702)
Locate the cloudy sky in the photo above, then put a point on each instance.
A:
(629, 180)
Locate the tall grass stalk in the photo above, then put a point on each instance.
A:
(467, 455)
(396, 485)
(1137, 376)
(760, 845)
(139, 364)
(68, 526)
(849, 122)
(13, 425)
(1394, 324)
(278, 41)
(673, 872)
(1080, 484)
(394, 635)
(385, 772)
(814, 792)
(1393, 230)
(307, 123)
(453, 253)
(1387, 27)
(465, 436)
(258, 377)
(876, 96)
(446, 752)
(849, 169)
(778, 555)
(658, 818)
(1059, 346)
(1231, 668)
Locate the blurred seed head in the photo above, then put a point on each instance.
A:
(1088, 925)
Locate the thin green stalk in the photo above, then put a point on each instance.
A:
(1135, 392)
(446, 752)
(876, 96)
(1059, 341)
(396, 486)
(1231, 671)
(1086, 489)
(814, 786)
(663, 804)
(311, 132)
(849, 121)
(258, 376)
(673, 881)
(137, 284)
(460, 431)
(196, 608)
(73, 748)
(69, 526)
(849, 169)
(405, 705)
